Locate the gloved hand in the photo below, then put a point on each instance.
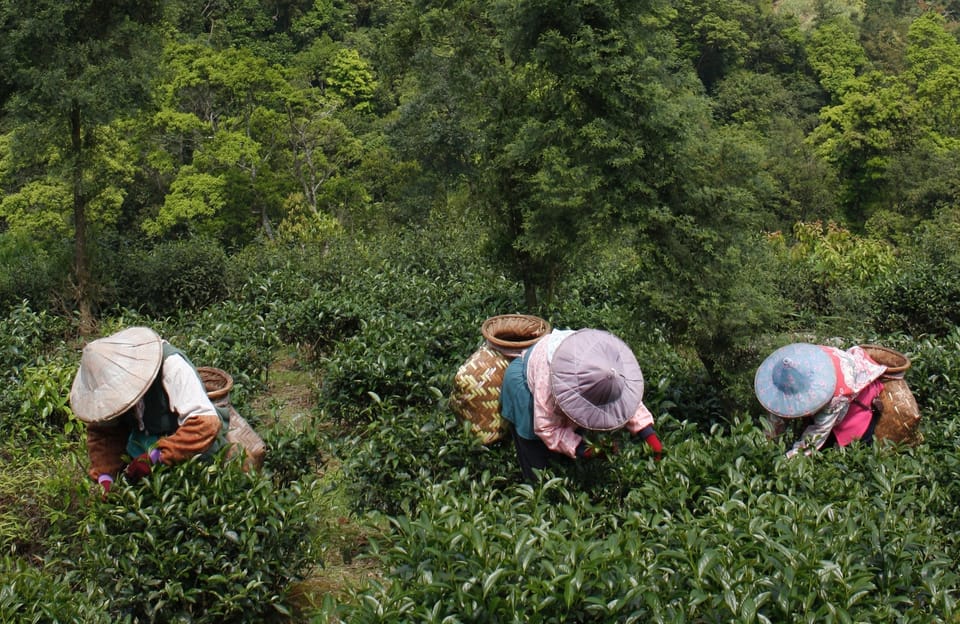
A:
(142, 465)
(648, 435)
(588, 451)
(105, 482)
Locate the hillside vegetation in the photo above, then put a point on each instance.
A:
(327, 199)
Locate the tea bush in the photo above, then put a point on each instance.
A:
(25, 336)
(201, 542)
(723, 529)
(919, 298)
(42, 488)
(390, 461)
(39, 595)
(31, 272)
(171, 277)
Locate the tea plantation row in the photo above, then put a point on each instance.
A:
(723, 529)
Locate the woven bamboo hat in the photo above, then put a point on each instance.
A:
(795, 380)
(596, 379)
(114, 373)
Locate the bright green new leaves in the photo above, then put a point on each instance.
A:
(193, 196)
(836, 55)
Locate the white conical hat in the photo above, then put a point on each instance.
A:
(114, 373)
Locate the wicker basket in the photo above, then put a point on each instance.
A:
(217, 383)
(896, 362)
(476, 393)
(510, 334)
(240, 436)
(899, 414)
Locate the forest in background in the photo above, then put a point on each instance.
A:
(363, 183)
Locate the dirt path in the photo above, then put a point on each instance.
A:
(291, 399)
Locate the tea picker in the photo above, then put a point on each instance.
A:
(841, 395)
(142, 398)
(569, 383)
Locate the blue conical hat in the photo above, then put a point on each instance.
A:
(795, 380)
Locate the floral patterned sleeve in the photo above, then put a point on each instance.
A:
(815, 435)
(776, 425)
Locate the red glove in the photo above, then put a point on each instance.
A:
(655, 444)
(105, 482)
(585, 451)
(589, 451)
(142, 465)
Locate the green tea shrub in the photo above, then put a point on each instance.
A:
(920, 298)
(232, 336)
(43, 390)
(723, 529)
(37, 595)
(32, 387)
(171, 277)
(389, 461)
(31, 271)
(934, 374)
(510, 553)
(294, 452)
(42, 488)
(200, 542)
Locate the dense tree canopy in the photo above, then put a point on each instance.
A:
(677, 134)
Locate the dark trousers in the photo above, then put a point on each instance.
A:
(533, 455)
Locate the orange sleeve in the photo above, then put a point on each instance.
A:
(193, 437)
(106, 445)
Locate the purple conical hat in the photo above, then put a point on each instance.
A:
(795, 380)
(596, 379)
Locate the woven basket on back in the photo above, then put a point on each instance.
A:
(240, 436)
(899, 414)
(896, 362)
(218, 384)
(476, 392)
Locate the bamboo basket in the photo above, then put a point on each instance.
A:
(510, 334)
(476, 393)
(241, 437)
(899, 413)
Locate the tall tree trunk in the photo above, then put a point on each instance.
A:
(81, 265)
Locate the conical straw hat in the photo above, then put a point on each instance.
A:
(114, 373)
(596, 379)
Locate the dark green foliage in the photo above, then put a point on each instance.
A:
(723, 529)
(25, 335)
(31, 272)
(203, 542)
(172, 277)
(293, 453)
(231, 336)
(390, 463)
(919, 298)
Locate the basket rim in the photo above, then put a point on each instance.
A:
(223, 379)
(902, 358)
(488, 325)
